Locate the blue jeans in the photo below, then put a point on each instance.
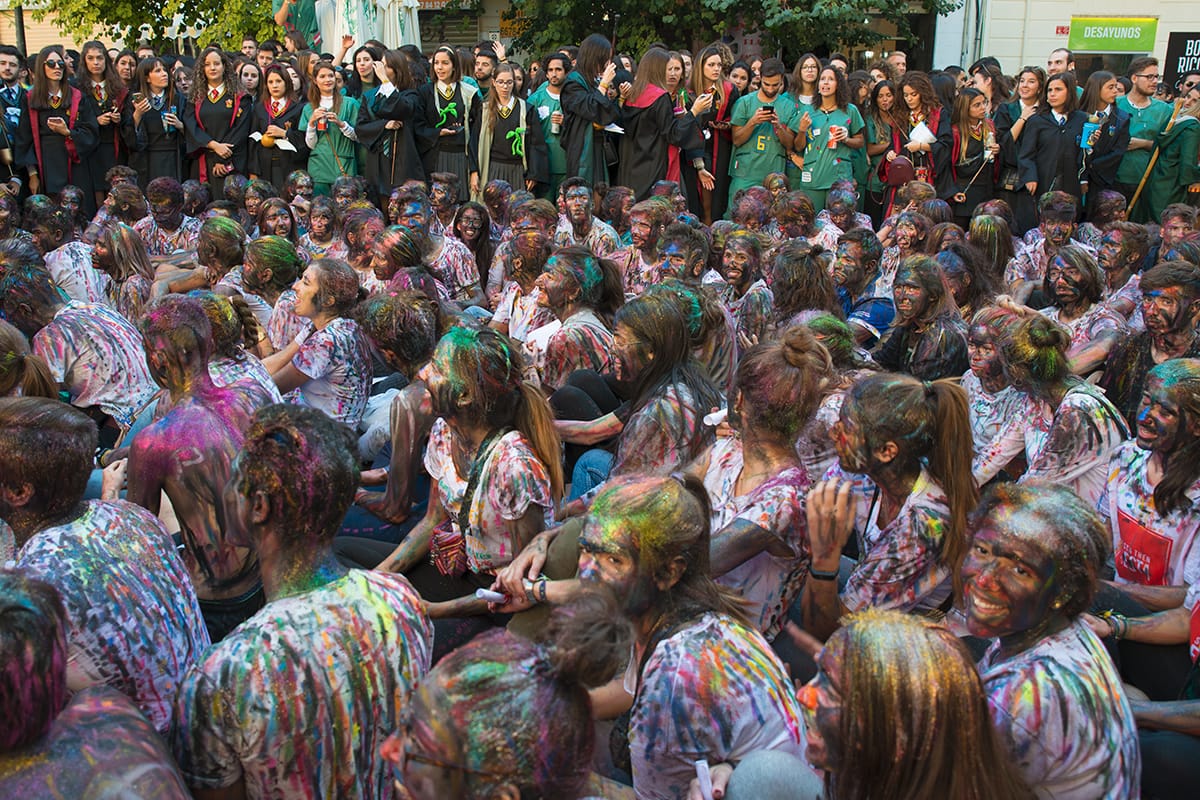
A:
(591, 470)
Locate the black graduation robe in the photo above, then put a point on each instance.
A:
(1050, 153)
(644, 148)
(270, 163)
(228, 121)
(583, 107)
(58, 168)
(392, 156)
(155, 150)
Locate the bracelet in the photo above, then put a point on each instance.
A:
(1118, 624)
(822, 576)
(541, 590)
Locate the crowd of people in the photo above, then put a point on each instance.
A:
(439, 427)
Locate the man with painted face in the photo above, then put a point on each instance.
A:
(68, 260)
(297, 701)
(496, 196)
(647, 539)
(298, 191)
(580, 226)
(187, 454)
(528, 216)
(764, 129)
(928, 341)
(1122, 251)
(1170, 310)
(746, 296)
(639, 263)
(1176, 222)
(854, 272)
(1074, 285)
(443, 199)
(167, 230)
(446, 258)
(1027, 269)
(545, 100)
(135, 624)
(1056, 699)
(360, 228)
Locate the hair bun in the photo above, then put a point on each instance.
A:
(587, 641)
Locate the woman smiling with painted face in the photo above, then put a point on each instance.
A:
(1056, 699)
(328, 364)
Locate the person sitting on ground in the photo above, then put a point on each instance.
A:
(493, 460)
(1121, 252)
(1072, 429)
(1056, 699)
(328, 364)
(884, 670)
(1170, 309)
(134, 620)
(1153, 488)
(929, 339)
(167, 231)
(92, 351)
(186, 454)
(855, 271)
(906, 436)
(755, 481)
(56, 741)
(297, 700)
(512, 716)
(68, 260)
(648, 540)
(579, 225)
(1056, 222)
(745, 294)
(1074, 285)
(121, 255)
(403, 329)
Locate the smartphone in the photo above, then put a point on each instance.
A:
(138, 97)
(769, 109)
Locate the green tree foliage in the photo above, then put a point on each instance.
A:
(221, 22)
(792, 24)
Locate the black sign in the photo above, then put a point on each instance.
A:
(1183, 54)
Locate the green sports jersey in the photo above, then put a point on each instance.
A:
(762, 153)
(823, 166)
(1144, 123)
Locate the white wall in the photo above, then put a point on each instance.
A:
(1020, 32)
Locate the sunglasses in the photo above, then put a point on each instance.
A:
(56, 64)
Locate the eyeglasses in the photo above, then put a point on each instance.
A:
(1153, 77)
(56, 64)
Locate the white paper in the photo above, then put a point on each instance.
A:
(282, 143)
(613, 127)
(921, 134)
